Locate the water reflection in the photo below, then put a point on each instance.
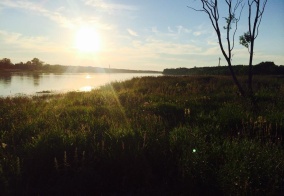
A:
(88, 76)
(36, 79)
(86, 88)
(29, 83)
(5, 79)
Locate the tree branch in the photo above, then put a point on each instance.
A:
(237, 20)
(260, 17)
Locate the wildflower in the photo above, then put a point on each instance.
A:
(186, 111)
(4, 145)
(146, 103)
(261, 119)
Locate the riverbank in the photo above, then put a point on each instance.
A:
(145, 136)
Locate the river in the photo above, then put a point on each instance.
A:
(19, 83)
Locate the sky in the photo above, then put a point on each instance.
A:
(129, 34)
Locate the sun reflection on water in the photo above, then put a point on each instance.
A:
(88, 76)
(86, 89)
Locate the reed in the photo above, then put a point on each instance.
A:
(145, 136)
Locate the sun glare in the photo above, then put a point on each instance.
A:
(87, 40)
(88, 76)
(86, 89)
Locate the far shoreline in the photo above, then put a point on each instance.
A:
(100, 70)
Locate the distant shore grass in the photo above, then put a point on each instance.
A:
(43, 92)
(145, 136)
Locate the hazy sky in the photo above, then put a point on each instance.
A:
(131, 34)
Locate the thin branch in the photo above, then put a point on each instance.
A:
(208, 8)
(237, 20)
(196, 9)
(217, 14)
(228, 28)
(260, 17)
(255, 20)
(249, 21)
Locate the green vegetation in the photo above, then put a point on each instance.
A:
(146, 136)
(264, 68)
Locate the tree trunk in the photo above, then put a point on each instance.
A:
(236, 81)
(250, 71)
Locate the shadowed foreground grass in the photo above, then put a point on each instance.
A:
(145, 136)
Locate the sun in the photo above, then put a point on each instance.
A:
(87, 40)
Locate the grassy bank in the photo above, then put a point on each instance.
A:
(146, 136)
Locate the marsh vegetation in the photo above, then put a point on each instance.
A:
(145, 136)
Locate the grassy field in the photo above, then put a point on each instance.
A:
(146, 136)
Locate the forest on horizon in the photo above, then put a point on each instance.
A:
(37, 65)
(263, 68)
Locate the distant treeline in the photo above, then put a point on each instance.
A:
(263, 68)
(39, 66)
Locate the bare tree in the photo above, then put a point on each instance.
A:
(234, 12)
(248, 38)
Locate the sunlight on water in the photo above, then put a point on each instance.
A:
(88, 76)
(86, 88)
(12, 84)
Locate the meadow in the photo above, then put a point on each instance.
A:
(146, 136)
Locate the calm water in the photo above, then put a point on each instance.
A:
(12, 84)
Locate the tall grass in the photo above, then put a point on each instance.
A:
(145, 136)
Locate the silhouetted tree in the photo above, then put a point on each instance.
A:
(20, 65)
(5, 63)
(234, 12)
(29, 65)
(248, 38)
(36, 62)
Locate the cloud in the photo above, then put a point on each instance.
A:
(212, 41)
(64, 21)
(109, 6)
(26, 5)
(202, 29)
(181, 29)
(170, 30)
(197, 33)
(152, 48)
(133, 33)
(33, 43)
(177, 32)
(154, 30)
(57, 15)
(166, 47)
(17, 38)
(154, 53)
